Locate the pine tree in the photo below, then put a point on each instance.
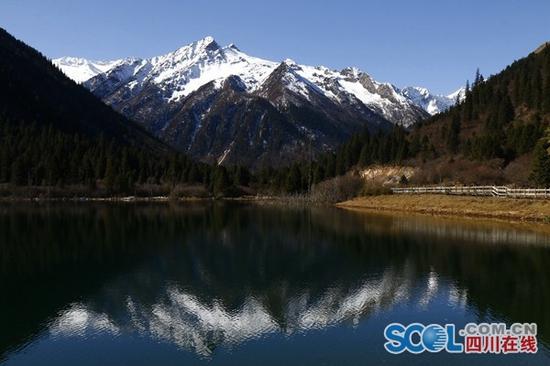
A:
(505, 111)
(318, 174)
(415, 146)
(110, 175)
(546, 92)
(540, 174)
(477, 79)
(241, 176)
(293, 179)
(193, 175)
(364, 156)
(453, 134)
(18, 172)
(221, 181)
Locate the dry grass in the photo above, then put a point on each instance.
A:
(441, 205)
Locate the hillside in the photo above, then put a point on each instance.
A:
(221, 105)
(498, 134)
(35, 91)
(55, 133)
(492, 136)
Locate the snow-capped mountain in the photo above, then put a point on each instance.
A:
(190, 67)
(252, 70)
(222, 105)
(81, 70)
(458, 96)
(433, 104)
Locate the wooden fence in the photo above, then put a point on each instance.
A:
(493, 191)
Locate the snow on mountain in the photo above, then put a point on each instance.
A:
(351, 85)
(458, 95)
(192, 66)
(185, 70)
(219, 104)
(81, 70)
(431, 103)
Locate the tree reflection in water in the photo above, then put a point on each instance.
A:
(202, 276)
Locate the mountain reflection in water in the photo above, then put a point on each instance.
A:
(205, 277)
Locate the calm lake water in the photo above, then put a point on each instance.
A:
(231, 284)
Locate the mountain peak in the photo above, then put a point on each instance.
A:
(431, 103)
(69, 60)
(185, 70)
(202, 46)
(81, 69)
(289, 62)
(207, 42)
(419, 89)
(460, 94)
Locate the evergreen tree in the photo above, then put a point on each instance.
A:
(477, 79)
(365, 156)
(540, 174)
(110, 175)
(546, 91)
(318, 174)
(220, 182)
(293, 179)
(505, 111)
(242, 176)
(193, 175)
(18, 172)
(453, 135)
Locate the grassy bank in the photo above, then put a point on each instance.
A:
(442, 205)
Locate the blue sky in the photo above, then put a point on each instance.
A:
(437, 44)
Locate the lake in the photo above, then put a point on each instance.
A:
(237, 284)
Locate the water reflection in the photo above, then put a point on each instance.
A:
(183, 319)
(204, 277)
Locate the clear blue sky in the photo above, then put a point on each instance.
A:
(432, 43)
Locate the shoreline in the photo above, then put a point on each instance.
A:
(507, 209)
(131, 199)
(503, 209)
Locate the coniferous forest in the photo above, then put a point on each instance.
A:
(54, 133)
(503, 118)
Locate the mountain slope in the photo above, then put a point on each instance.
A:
(56, 133)
(186, 98)
(190, 67)
(34, 91)
(433, 104)
(275, 125)
(203, 61)
(81, 70)
(497, 126)
(498, 134)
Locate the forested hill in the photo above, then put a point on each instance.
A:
(503, 118)
(54, 132)
(498, 135)
(35, 91)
